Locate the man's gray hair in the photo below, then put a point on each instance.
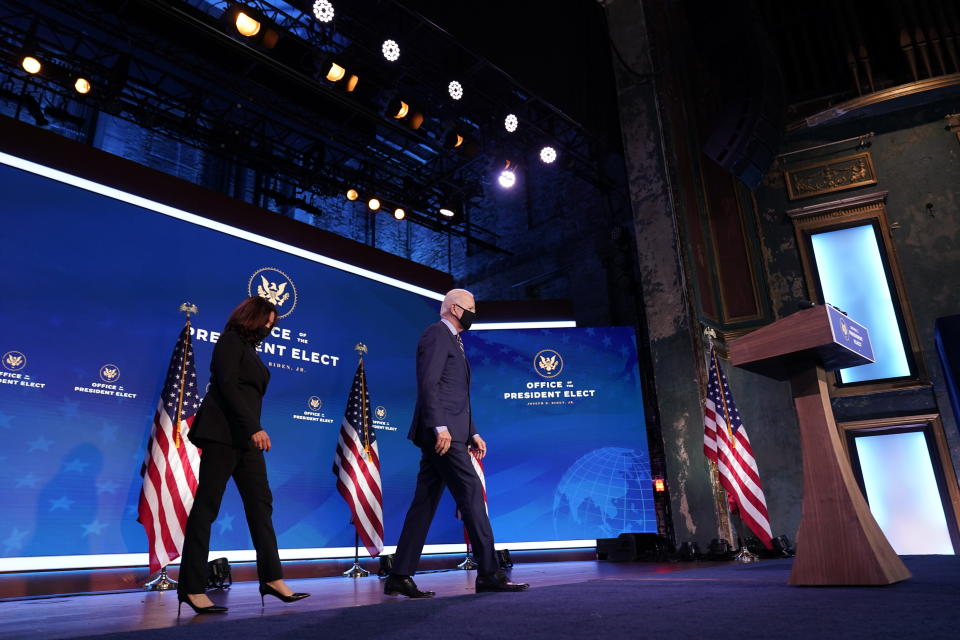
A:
(454, 296)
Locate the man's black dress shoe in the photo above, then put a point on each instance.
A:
(499, 582)
(404, 586)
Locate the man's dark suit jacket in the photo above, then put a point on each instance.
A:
(230, 412)
(443, 388)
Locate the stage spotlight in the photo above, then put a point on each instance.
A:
(391, 50)
(352, 194)
(397, 109)
(507, 178)
(416, 120)
(374, 204)
(447, 212)
(399, 213)
(323, 11)
(659, 485)
(82, 85)
(548, 154)
(336, 72)
(452, 140)
(455, 89)
(31, 65)
(510, 123)
(246, 25)
(352, 83)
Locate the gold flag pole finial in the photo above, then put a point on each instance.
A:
(361, 349)
(190, 309)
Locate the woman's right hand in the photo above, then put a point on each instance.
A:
(261, 440)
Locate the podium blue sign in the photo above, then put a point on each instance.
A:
(850, 334)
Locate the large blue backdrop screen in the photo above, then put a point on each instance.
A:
(93, 285)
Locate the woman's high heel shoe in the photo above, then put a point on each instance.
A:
(214, 608)
(267, 590)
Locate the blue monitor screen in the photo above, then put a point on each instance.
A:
(96, 278)
(853, 278)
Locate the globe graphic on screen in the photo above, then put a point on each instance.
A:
(603, 494)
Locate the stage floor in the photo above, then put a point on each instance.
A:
(567, 600)
(102, 613)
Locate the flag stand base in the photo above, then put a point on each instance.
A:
(745, 555)
(162, 582)
(356, 571)
(468, 564)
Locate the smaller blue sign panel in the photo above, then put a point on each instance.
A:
(850, 334)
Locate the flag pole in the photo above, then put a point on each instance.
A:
(721, 509)
(164, 582)
(356, 571)
(187, 308)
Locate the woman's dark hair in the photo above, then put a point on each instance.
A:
(249, 318)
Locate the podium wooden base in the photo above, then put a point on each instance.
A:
(839, 542)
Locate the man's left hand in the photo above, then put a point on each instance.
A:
(480, 445)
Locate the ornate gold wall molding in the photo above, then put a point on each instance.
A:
(828, 176)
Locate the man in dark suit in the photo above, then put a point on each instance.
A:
(443, 428)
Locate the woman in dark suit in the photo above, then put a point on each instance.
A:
(227, 430)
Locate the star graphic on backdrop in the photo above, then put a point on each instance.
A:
(225, 522)
(14, 540)
(624, 351)
(40, 444)
(69, 408)
(76, 465)
(565, 338)
(28, 480)
(5, 420)
(107, 487)
(108, 431)
(62, 502)
(607, 341)
(94, 527)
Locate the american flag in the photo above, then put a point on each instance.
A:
(478, 467)
(172, 464)
(357, 466)
(725, 442)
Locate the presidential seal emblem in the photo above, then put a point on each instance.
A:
(380, 412)
(14, 361)
(548, 363)
(276, 286)
(314, 403)
(109, 373)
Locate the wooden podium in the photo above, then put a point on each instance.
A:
(839, 542)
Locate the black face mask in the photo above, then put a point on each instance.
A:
(262, 333)
(466, 318)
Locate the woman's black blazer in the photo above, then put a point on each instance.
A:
(230, 412)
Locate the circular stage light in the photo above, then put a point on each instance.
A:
(323, 11)
(507, 178)
(246, 25)
(31, 65)
(446, 212)
(391, 50)
(510, 123)
(548, 154)
(399, 213)
(455, 89)
(352, 194)
(82, 85)
(374, 204)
